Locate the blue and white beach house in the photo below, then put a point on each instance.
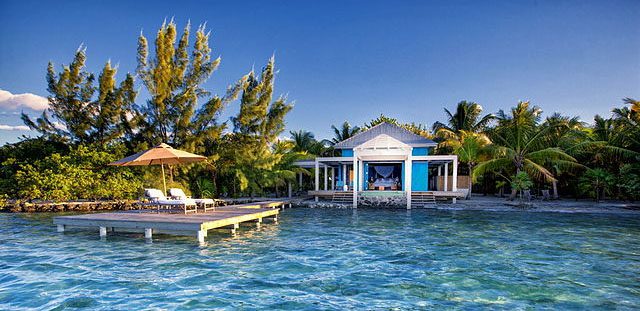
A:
(387, 164)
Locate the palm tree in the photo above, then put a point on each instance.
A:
(302, 140)
(597, 182)
(635, 107)
(466, 117)
(305, 141)
(468, 146)
(627, 120)
(345, 131)
(464, 134)
(285, 170)
(563, 132)
(603, 144)
(519, 144)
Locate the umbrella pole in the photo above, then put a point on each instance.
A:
(164, 182)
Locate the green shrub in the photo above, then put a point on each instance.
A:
(630, 181)
(82, 174)
(596, 183)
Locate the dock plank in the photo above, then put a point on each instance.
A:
(198, 223)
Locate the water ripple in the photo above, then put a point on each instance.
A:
(332, 260)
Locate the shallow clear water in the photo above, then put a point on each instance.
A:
(333, 259)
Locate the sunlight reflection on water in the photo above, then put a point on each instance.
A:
(332, 259)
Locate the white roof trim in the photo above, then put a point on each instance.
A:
(383, 141)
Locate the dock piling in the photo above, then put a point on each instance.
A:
(201, 235)
(148, 233)
(60, 228)
(103, 232)
(236, 226)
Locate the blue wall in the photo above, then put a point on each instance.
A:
(419, 176)
(347, 152)
(422, 151)
(365, 177)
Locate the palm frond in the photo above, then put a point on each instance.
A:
(493, 165)
(549, 154)
(538, 171)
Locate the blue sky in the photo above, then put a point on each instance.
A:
(353, 60)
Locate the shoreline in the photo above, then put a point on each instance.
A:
(496, 204)
(477, 203)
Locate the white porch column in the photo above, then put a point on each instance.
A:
(360, 175)
(326, 178)
(408, 167)
(344, 176)
(355, 179)
(439, 174)
(333, 178)
(454, 187)
(446, 176)
(317, 178)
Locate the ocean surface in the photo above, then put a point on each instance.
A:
(322, 259)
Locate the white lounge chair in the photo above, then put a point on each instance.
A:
(205, 204)
(157, 198)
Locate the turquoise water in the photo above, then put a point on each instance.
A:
(333, 259)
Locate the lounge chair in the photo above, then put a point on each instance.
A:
(158, 199)
(205, 204)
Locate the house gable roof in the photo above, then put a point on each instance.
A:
(401, 134)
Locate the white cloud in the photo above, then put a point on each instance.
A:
(10, 101)
(4, 127)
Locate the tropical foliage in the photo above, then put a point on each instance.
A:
(89, 116)
(521, 182)
(76, 114)
(93, 121)
(344, 132)
(519, 144)
(416, 128)
(81, 174)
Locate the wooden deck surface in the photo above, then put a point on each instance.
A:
(195, 223)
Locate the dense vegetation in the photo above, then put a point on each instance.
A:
(517, 149)
(92, 122)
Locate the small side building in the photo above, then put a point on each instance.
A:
(384, 161)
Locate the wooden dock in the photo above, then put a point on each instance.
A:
(196, 224)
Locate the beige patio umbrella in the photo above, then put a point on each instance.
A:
(160, 155)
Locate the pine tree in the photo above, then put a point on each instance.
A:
(173, 78)
(113, 111)
(74, 114)
(249, 156)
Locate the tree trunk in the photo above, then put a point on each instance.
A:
(470, 182)
(215, 184)
(555, 189)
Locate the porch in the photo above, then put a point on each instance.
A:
(432, 174)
